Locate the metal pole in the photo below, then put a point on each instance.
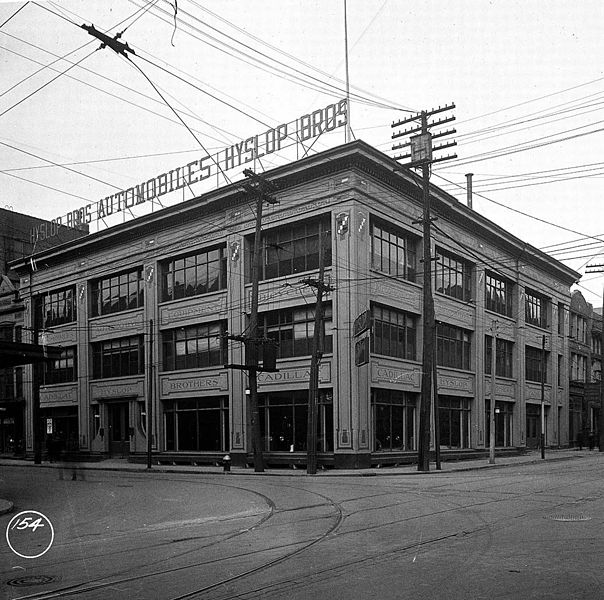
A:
(492, 402)
(601, 412)
(149, 421)
(543, 397)
(436, 414)
(423, 457)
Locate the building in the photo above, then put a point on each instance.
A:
(585, 360)
(20, 236)
(141, 311)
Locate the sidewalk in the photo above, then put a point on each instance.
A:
(530, 457)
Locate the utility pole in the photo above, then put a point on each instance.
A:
(421, 156)
(149, 420)
(494, 327)
(543, 397)
(317, 354)
(261, 188)
(600, 269)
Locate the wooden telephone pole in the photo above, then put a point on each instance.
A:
(261, 188)
(421, 150)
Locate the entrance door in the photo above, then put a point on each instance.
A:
(533, 425)
(119, 442)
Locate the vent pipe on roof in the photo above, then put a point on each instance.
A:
(469, 188)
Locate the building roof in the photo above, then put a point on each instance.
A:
(354, 155)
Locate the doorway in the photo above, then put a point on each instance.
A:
(119, 438)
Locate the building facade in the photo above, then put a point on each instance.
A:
(20, 236)
(143, 310)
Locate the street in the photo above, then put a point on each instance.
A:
(520, 531)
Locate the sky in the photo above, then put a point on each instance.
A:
(79, 123)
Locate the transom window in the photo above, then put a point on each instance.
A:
(498, 294)
(194, 274)
(394, 333)
(118, 292)
(535, 309)
(194, 347)
(293, 330)
(452, 275)
(62, 369)
(118, 358)
(393, 251)
(453, 346)
(504, 357)
(294, 248)
(56, 308)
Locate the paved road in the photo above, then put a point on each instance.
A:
(517, 532)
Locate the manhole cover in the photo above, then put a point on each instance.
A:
(570, 518)
(31, 580)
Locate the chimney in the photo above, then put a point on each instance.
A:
(469, 188)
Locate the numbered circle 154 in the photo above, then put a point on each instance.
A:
(30, 534)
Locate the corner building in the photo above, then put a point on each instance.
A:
(141, 310)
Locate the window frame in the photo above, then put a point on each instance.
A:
(402, 327)
(453, 346)
(105, 288)
(190, 337)
(535, 302)
(56, 307)
(500, 300)
(107, 361)
(386, 236)
(449, 267)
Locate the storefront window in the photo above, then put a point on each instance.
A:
(393, 420)
(454, 421)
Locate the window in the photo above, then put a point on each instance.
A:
(294, 248)
(118, 358)
(194, 274)
(578, 327)
(535, 309)
(596, 343)
(7, 384)
(560, 369)
(393, 333)
(498, 294)
(452, 346)
(533, 366)
(393, 251)
(596, 370)
(504, 357)
(197, 424)
(504, 412)
(118, 292)
(453, 276)
(393, 420)
(454, 422)
(293, 330)
(578, 367)
(62, 369)
(283, 421)
(56, 308)
(561, 318)
(194, 347)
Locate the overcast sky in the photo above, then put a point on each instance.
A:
(526, 78)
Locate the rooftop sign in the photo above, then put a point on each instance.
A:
(243, 152)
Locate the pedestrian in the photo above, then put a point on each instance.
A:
(591, 440)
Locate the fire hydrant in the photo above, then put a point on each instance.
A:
(226, 463)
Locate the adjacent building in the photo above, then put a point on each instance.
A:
(142, 311)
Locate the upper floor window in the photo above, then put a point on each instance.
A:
(194, 347)
(498, 293)
(393, 251)
(453, 275)
(194, 274)
(294, 248)
(56, 308)
(578, 327)
(453, 346)
(504, 357)
(118, 358)
(535, 309)
(561, 318)
(535, 363)
(393, 333)
(596, 343)
(62, 369)
(578, 367)
(293, 329)
(118, 292)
